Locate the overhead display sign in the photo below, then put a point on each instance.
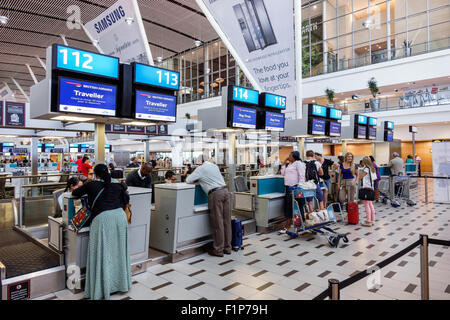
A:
(7, 147)
(74, 147)
(120, 32)
(334, 129)
(239, 94)
(317, 110)
(86, 97)
(372, 133)
(389, 136)
(118, 128)
(389, 125)
(135, 129)
(48, 147)
(260, 36)
(373, 122)
(244, 118)
(77, 60)
(269, 100)
(157, 77)
(316, 126)
(14, 114)
(274, 121)
(360, 119)
(335, 114)
(84, 148)
(360, 132)
(155, 106)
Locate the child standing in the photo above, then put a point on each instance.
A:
(368, 177)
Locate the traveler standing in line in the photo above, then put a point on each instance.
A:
(108, 267)
(377, 181)
(348, 175)
(293, 170)
(312, 173)
(327, 166)
(141, 177)
(85, 166)
(397, 165)
(368, 177)
(72, 184)
(211, 181)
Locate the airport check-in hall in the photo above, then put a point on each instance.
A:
(224, 150)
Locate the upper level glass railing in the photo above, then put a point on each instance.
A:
(416, 99)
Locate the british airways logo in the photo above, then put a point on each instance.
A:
(110, 19)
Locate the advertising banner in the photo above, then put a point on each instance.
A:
(14, 114)
(120, 33)
(260, 35)
(6, 93)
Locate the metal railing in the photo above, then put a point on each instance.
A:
(335, 286)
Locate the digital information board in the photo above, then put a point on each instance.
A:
(335, 129)
(85, 148)
(239, 94)
(244, 118)
(73, 147)
(372, 133)
(135, 129)
(76, 60)
(317, 110)
(389, 125)
(118, 128)
(86, 97)
(7, 147)
(274, 121)
(48, 147)
(153, 76)
(155, 106)
(389, 136)
(273, 101)
(335, 114)
(361, 119)
(361, 132)
(373, 122)
(318, 126)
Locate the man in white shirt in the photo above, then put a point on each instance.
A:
(211, 181)
(397, 165)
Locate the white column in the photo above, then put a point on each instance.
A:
(388, 28)
(298, 58)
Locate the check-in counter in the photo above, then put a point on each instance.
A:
(269, 207)
(180, 220)
(76, 244)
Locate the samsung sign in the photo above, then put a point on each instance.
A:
(110, 19)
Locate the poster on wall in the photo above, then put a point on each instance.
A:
(428, 96)
(14, 114)
(261, 34)
(120, 32)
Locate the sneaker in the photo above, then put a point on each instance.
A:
(366, 224)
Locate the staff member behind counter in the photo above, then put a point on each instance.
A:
(108, 267)
(210, 179)
(141, 177)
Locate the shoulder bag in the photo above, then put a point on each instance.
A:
(367, 193)
(127, 207)
(83, 215)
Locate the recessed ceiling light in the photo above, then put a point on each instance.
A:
(159, 59)
(71, 118)
(197, 43)
(4, 19)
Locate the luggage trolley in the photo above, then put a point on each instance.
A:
(322, 228)
(402, 189)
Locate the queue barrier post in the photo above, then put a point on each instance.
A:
(424, 272)
(334, 290)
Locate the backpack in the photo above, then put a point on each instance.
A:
(311, 171)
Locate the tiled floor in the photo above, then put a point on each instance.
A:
(273, 266)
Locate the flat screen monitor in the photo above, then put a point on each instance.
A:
(317, 126)
(388, 136)
(372, 133)
(48, 147)
(155, 106)
(335, 129)
(335, 114)
(7, 147)
(270, 100)
(360, 132)
(73, 147)
(245, 95)
(360, 119)
(243, 117)
(389, 125)
(84, 148)
(274, 121)
(156, 77)
(317, 110)
(76, 96)
(373, 122)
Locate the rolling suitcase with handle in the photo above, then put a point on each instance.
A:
(237, 234)
(352, 213)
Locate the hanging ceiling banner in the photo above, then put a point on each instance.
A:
(120, 33)
(260, 36)
(6, 93)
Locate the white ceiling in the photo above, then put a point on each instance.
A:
(171, 26)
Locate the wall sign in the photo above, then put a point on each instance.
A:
(76, 60)
(118, 128)
(163, 129)
(135, 129)
(14, 114)
(151, 129)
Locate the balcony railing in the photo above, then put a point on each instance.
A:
(414, 100)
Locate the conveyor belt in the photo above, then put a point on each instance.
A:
(21, 256)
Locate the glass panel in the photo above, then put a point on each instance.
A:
(441, 15)
(440, 36)
(399, 9)
(416, 6)
(437, 3)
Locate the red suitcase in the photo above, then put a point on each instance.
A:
(352, 213)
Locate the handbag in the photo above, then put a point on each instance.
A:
(308, 185)
(83, 215)
(128, 212)
(367, 193)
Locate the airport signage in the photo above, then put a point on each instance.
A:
(360, 132)
(243, 118)
(269, 100)
(389, 125)
(156, 77)
(118, 128)
(373, 122)
(81, 61)
(316, 126)
(360, 119)
(274, 121)
(388, 136)
(335, 114)
(317, 110)
(76, 96)
(1, 113)
(324, 121)
(155, 106)
(135, 129)
(243, 95)
(334, 129)
(413, 129)
(372, 133)
(74, 147)
(14, 114)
